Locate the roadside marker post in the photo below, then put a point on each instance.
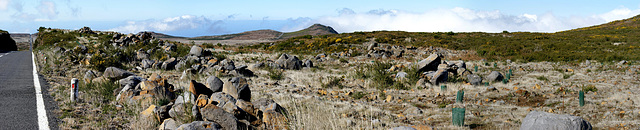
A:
(74, 89)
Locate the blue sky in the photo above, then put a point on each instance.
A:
(215, 17)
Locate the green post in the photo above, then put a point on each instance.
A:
(581, 97)
(508, 76)
(505, 81)
(475, 68)
(460, 96)
(486, 83)
(443, 87)
(495, 65)
(457, 116)
(510, 72)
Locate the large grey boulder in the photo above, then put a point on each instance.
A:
(200, 125)
(401, 75)
(403, 128)
(89, 75)
(285, 61)
(168, 124)
(218, 115)
(131, 81)
(430, 63)
(441, 76)
(196, 51)
(244, 92)
(233, 85)
(214, 83)
(228, 64)
(494, 76)
(474, 79)
(146, 63)
(372, 45)
(308, 63)
(169, 64)
(178, 111)
(283, 58)
(116, 73)
(536, 120)
(220, 99)
(141, 55)
(293, 63)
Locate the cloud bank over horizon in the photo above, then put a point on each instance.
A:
(438, 20)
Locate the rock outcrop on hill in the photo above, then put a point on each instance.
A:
(6, 42)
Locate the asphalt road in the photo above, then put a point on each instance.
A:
(17, 93)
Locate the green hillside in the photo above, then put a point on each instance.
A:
(614, 41)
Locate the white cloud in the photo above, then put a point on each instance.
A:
(184, 22)
(4, 4)
(460, 20)
(620, 13)
(48, 8)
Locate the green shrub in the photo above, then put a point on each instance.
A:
(101, 62)
(542, 78)
(275, 74)
(103, 90)
(358, 95)
(380, 77)
(588, 88)
(567, 76)
(333, 82)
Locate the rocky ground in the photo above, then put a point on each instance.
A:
(384, 87)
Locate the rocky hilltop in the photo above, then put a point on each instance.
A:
(6, 42)
(251, 37)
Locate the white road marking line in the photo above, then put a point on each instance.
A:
(43, 122)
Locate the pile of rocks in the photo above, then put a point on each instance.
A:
(436, 71)
(386, 52)
(122, 40)
(286, 61)
(86, 30)
(217, 103)
(198, 60)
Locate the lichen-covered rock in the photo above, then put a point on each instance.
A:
(168, 124)
(198, 88)
(201, 125)
(429, 64)
(216, 114)
(232, 85)
(440, 76)
(116, 73)
(474, 79)
(536, 120)
(169, 64)
(196, 51)
(494, 76)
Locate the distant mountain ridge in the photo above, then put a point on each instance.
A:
(313, 30)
